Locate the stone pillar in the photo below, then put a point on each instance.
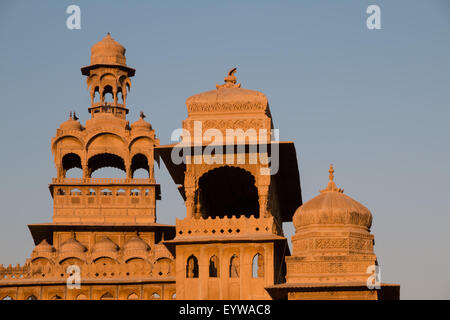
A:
(263, 195)
(190, 202)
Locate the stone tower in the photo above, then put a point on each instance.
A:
(106, 227)
(230, 245)
(107, 140)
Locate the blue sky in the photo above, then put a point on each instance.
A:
(375, 103)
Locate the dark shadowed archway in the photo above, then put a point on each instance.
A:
(228, 191)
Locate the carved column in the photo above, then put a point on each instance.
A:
(190, 184)
(263, 195)
(190, 203)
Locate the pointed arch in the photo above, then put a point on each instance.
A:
(234, 266)
(258, 266)
(214, 267)
(192, 267)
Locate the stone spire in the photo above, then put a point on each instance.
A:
(331, 187)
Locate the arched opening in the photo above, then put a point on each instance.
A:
(7, 298)
(135, 192)
(32, 297)
(234, 266)
(56, 297)
(108, 95)
(96, 97)
(228, 191)
(174, 296)
(139, 162)
(107, 296)
(81, 297)
(214, 267)
(106, 192)
(155, 295)
(258, 266)
(107, 165)
(133, 296)
(119, 94)
(192, 267)
(71, 164)
(75, 192)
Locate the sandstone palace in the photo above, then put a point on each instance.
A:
(105, 243)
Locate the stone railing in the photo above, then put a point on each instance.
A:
(225, 226)
(101, 181)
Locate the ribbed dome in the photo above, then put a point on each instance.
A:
(332, 207)
(136, 243)
(70, 124)
(141, 124)
(105, 244)
(229, 94)
(43, 247)
(108, 51)
(72, 246)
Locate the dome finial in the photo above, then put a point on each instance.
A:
(331, 185)
(230, 80)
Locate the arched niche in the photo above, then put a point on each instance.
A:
(192, 267)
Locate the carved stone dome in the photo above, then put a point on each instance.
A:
(43, 248)
(228, 95)
(332, 207)
(141, 124)
(72, 246)
(108, 51)
(70, 124)
(136, 243)
(105, 244)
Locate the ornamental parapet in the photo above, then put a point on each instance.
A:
(224, 226)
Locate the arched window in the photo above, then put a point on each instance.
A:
(135, 192)
(106, 165)
(75, 192)
(155, 295)
(32, 297)
(106, 192)
(139, 166)
(71, 164)
(258, 266)
(108, 94)
(56, 297)
(81, 297)
(133, 296)
(174, 296)
(107, 296)
(96, 97)
(235, 195)
(7, 298)
(192, 267)
(214, 267)
(234, 266)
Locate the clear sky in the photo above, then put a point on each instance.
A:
(375, 103)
